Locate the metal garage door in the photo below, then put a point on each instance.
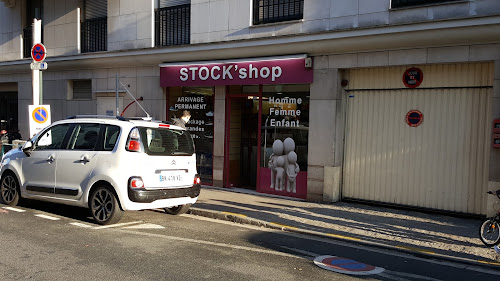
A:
(440, 164)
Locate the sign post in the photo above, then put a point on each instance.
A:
(39, 118)
(39, 114)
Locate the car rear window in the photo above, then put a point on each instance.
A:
(163, 141)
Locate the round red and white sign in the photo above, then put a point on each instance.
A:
(413, 77)
(38, 52)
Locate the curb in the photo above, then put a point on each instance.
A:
(242, 219)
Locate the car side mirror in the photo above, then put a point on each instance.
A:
(27, 148)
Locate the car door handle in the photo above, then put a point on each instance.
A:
(50, 159)
(84, 159)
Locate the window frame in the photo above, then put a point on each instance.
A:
(400, 4)
(256, 11)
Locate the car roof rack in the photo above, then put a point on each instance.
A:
(140, 118)
(98, 116)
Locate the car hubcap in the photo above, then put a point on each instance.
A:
(102, 205)
(9, 189)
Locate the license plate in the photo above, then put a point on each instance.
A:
(171, 177)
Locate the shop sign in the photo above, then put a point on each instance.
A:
(279, 71)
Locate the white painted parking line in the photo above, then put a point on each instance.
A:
(118, 224)
(81, 225)
(47, 217)
(145, 226)
(14, 209)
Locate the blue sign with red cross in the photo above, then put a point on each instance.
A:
(346, 266)
(38, 52)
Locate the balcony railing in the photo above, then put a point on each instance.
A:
(94, 35)
(28, 41)
(411, 3)
(269, 11)
(173, 26)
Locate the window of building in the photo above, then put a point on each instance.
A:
(411, 3)
(34, 10)
(173, 22)
(94, 29)
(80, 90)
(269, 11)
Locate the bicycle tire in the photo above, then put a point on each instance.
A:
(489, 232)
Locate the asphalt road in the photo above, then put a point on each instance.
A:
(41, 241)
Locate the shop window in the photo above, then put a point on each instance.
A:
(269, 11)
(285, 125)
(80, 90)
(199, 101)
(411, 3)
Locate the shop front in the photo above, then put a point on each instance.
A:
(264, 125)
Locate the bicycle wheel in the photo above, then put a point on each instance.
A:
(489, 232)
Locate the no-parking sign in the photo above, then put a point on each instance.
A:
(39, 118)
(346, 266)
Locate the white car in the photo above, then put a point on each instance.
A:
(107, 164)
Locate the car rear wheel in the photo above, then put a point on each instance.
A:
(177, 210)
(9, 189)
(104, 206)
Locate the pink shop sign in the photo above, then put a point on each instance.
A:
(282, 71)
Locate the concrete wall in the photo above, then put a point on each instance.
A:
(60, 27)
(141, 81)
(10, 31)
(130, 24)
(225, 20)
(326, 135)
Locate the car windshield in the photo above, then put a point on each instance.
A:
(163, 141)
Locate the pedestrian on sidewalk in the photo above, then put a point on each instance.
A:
(181, 122)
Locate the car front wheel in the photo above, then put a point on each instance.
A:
(104, 206)
(9, 189)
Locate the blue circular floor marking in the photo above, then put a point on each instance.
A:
(346, 266)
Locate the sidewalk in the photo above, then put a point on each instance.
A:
(424, 234)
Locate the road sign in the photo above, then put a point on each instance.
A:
(38, 52)
(39, 118)
(414, 118)
(39, 65)
(346, 266)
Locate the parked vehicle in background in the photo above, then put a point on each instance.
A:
(107, 164)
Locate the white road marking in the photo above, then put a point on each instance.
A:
(403, 274)
(14, 209)
(47, 217)
(235, 247)
(117, 225)
(392, 277)
(361, 247)
(306, 253)
(81, 225)
(145, 226)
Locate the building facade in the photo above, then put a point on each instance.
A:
(387, 101)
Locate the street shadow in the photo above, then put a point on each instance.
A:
(361, 222)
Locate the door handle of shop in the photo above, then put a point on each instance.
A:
(84, 159)
(50, 159)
